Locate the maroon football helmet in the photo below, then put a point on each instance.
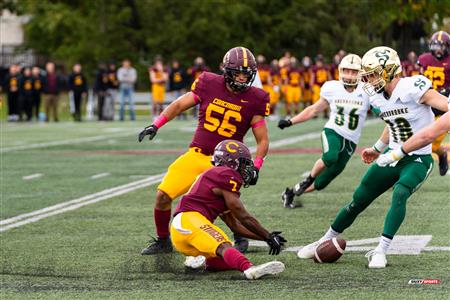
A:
(235, 155)
(440, 44)
(239, 60)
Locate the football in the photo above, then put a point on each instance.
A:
(329, 251)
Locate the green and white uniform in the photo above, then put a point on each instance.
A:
(405, 116)
(348, 112)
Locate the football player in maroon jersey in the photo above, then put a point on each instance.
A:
(436, 66)
(228, 107)
(216, 193)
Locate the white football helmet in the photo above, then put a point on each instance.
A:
(350, 62)
(380, 65)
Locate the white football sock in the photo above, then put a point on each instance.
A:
(330, 234)
(383, 245)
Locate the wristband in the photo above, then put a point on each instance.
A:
(160, 121)
(258, 162)
(379, 146)
(398, 154)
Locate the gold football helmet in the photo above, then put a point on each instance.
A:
(380, 65)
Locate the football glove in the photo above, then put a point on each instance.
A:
(275, 242)
(150, 131)
(255, 176)
(284, 123)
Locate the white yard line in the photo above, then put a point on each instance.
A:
(39, 214)
(32, 176)
(100, 175)
(62, 142)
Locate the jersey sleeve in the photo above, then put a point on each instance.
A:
(326, 91)
(264, 108)
(199, 86)
(420, 85)
(229, 180)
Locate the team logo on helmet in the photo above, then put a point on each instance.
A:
(235, 155)
(380, 65)
(236, 61)
(440, 44)
(347, 67)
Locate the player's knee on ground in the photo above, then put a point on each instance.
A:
(163, 201)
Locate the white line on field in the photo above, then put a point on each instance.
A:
(39, 214)
(32, 176)
(63, 142)
(100, 175)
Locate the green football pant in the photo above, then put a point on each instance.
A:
(406, 177)
(336, 152)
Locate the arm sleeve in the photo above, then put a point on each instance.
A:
(264, 108)
(199, 86)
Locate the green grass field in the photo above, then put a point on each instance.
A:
(93, 252)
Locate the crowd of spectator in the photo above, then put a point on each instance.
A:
(289, 81)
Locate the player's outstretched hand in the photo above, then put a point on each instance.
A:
(150, 131)
(284, 123)
(255, 176)
(368, 155)
(275, 242)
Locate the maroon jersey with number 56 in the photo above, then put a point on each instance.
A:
(224, 114)
(201, 197)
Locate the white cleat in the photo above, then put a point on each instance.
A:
(195, 262)
(270, 268)
(377, 260)
(309, 250)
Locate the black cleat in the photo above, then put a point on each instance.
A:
(301, 187)
(158, 246)
(240, 244)
(288, 198)
(443, 164)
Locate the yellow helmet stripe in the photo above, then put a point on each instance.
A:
(440, 35)
(245, 57)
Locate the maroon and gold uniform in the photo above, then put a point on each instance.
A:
(410, 69)
(275, 87)
(334, 71)
(307, 93)
(222, 115)
(294, 91)
(284, 71)
(192, 231)
(438, 71)
(196, 71)
(159, 86)
(264, 75)
(320, 77)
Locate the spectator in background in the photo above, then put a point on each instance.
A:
(78, 89)
(410, 67)
(54, 83)
(26, 94)
(194, 72)
(127, 77)
(38, 84)
(158, 78)
(177, 82)
(101, 88)
(12, 81)
(111, 93)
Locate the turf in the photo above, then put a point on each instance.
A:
(93, 252)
